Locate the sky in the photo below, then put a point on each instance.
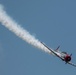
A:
(52, 22)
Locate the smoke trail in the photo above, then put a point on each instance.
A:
(9, 23)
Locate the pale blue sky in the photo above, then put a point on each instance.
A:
(50, 21)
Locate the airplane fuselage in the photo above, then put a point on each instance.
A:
(64, 56)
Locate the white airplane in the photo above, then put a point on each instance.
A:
(62, 55)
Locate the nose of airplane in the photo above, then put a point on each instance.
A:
(67, 58)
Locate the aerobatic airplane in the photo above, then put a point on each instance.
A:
(62, 55)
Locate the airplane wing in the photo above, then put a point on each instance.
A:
(53, 51)
(72, 64)
(58, 55)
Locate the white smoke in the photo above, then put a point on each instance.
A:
(13, 26)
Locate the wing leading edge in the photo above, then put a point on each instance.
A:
(72, 64)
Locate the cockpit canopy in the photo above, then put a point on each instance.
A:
(64, 52)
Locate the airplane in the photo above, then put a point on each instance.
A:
(64, 56)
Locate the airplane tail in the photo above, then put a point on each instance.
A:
(57, 48)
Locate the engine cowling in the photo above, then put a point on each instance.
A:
(67, 58)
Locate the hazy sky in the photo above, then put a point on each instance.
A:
(50, 21)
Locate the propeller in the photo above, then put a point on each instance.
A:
(71, 54)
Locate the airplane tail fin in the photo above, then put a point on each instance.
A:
(57, 48)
